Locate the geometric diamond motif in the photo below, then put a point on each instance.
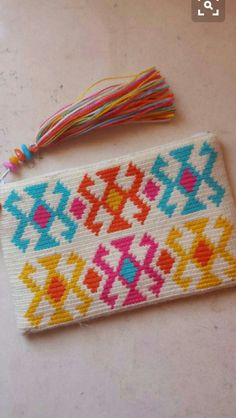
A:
(188, 180)
(92, 280)
(128, 270)
(42, 216)
(56, 289)
(203, 253)
(77, 208)
(114, 199)
(151, 190)
(165, 261)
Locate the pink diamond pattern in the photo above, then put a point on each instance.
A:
(151, 190)
(42, 216)
(188, 180)
(77, 208)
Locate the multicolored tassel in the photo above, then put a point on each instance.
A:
(145, 98)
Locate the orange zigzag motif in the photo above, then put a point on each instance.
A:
(114, 199)
(202, 253)
(55, 290)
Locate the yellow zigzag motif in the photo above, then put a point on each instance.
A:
(56, 289)
(202, 252)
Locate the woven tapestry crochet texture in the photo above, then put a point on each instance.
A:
(121, 234)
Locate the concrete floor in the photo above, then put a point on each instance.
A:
(176, 360)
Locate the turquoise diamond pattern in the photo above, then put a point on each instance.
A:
(188, 180)
(128, 270)
(43, 228)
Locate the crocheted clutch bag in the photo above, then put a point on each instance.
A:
(121, 234)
